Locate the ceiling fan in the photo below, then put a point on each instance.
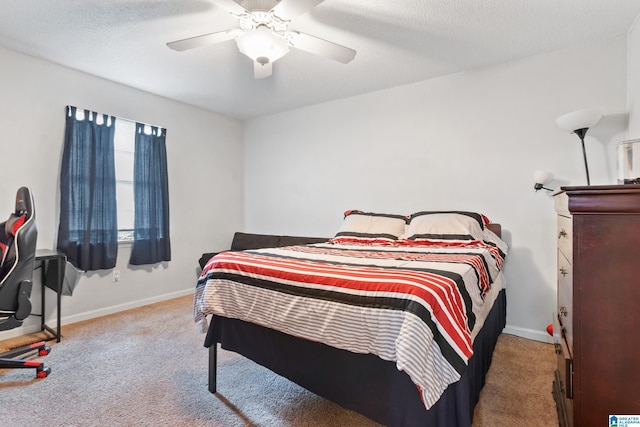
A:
(264, 34)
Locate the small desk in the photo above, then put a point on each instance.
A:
(53, 264)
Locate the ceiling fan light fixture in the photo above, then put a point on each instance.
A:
(264, 34)
(262, 45)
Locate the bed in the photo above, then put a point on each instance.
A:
(396, 317)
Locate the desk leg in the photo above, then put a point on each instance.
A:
(60, 278)
(59, 265)
(44, 288)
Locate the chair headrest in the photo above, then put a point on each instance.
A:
(23, 202)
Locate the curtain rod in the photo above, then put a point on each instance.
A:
(117, 117)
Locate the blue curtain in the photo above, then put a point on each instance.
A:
(151, 243)
(88, 230)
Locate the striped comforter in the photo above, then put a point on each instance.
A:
(413, 303)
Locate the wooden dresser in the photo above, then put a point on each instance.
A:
(597, 328)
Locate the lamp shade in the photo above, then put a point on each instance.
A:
(262, 45)
(581, 119)
(542, 177)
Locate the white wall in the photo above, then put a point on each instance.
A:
(633, 80)
(468, 141)
(205, 162)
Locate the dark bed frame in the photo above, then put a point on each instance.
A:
(364, 383)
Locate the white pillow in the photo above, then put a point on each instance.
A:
(369, 227)
(450, 225)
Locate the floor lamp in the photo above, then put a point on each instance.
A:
(579, 122)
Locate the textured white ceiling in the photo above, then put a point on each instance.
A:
(398, 42)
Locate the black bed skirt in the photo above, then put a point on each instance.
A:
(363, 382)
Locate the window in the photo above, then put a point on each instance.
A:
(94, 215)
(124, 147)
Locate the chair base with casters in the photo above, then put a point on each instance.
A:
(7, 360)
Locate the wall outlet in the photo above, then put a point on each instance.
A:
(116, 275)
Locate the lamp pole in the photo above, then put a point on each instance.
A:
(581, 134)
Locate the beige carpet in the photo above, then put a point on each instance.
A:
(147, 367)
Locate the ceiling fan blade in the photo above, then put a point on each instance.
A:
(289, 9)
(321, 47)
(203, 40)
(260, 71)
(230, 6)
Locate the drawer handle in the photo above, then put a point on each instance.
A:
(562, 234)
(563, 271)
(563, 311)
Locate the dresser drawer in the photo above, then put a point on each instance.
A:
(565, 298)
(565, 237)
(561, 201)
(564, 362)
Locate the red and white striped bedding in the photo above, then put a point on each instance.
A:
(413, 303)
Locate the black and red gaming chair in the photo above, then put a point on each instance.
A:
(18, 236)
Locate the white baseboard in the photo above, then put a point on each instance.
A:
(66, 320)
(531, 334)
(32, 326)
(22, 330)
